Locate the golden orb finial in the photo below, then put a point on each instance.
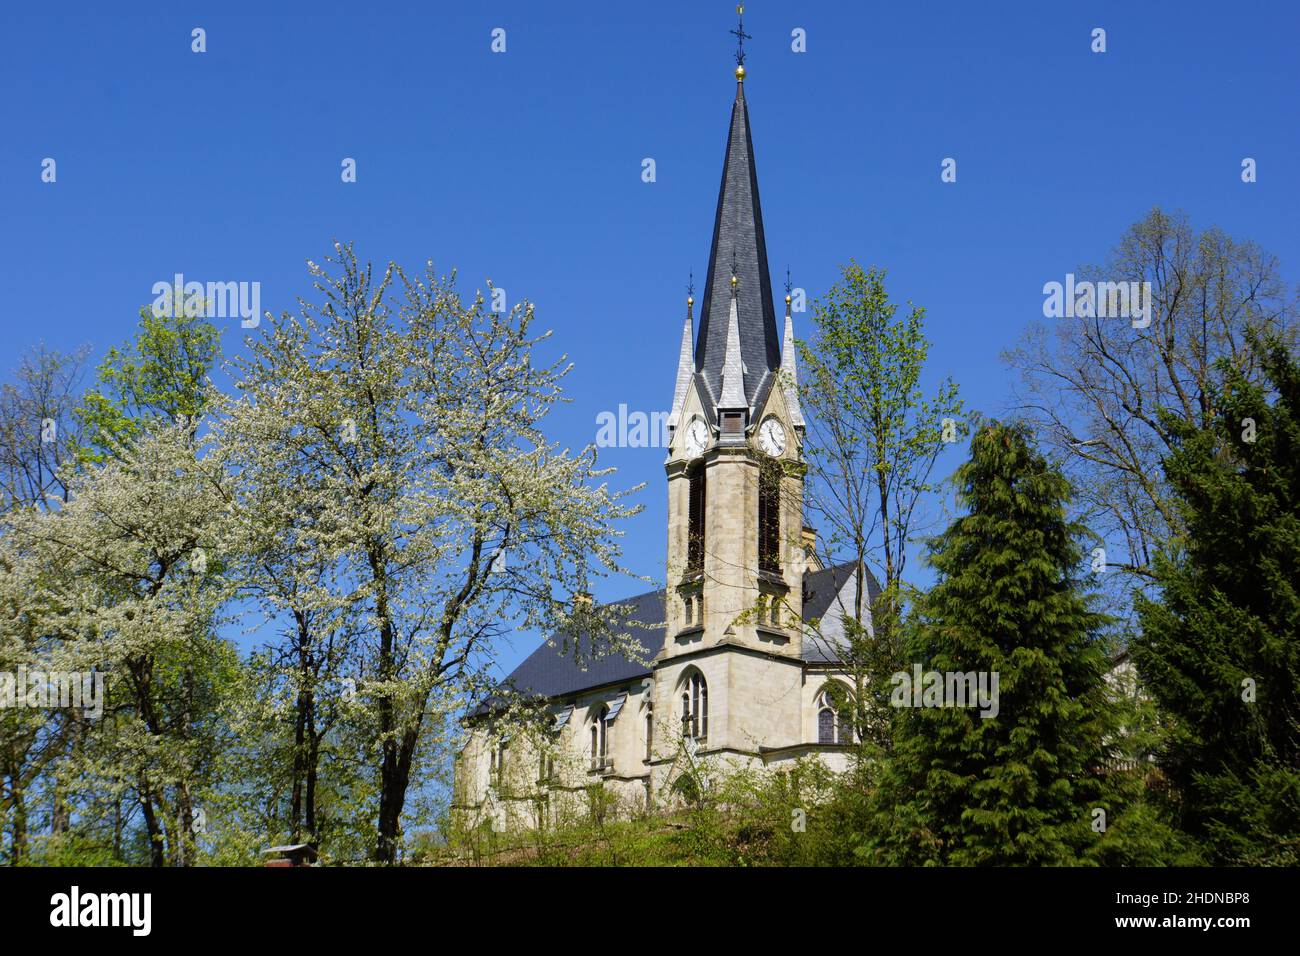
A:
(740, 74)
(788, 300)
(734, 280)
(690, 300)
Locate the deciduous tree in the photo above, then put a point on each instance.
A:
(873, 437)
(413, 419)
(1094, 388)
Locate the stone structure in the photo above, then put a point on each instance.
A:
(741, 643)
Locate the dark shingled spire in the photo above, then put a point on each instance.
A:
(738, 242)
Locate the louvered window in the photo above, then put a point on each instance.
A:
(695, 524)
(769, 518)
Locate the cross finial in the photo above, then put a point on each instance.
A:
(741, 36)
(788, 286)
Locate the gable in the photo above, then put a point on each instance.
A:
(693, 404)
(829, 595)
(774, 404)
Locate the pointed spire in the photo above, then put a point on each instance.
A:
(738, 234)
(685, 360)
(789, 370)
(733, 366)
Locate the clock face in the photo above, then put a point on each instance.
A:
(771, 437)
(697, 436)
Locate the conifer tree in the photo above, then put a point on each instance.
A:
(1015, 783)
(1220, 649)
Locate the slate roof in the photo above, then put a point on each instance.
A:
(548, 673)
(738, 238)
(820, 589)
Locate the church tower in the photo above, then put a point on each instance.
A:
(735, 678)
(735, 483)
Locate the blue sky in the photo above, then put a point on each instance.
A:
(526, 166)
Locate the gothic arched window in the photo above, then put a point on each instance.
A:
(826, 726)
(600, 740)
(498, 760)
(833, 727)
(695, 707)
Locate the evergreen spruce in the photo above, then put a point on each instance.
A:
(1018, 788)
(1220, 649)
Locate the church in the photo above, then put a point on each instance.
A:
(739, 648)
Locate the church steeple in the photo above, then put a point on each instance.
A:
(738, 249)
(685, 367)
(735, 481)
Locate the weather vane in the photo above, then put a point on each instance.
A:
(740, 35)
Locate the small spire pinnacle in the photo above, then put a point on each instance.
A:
(733, 366)
(685, 359)
(789, 370)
